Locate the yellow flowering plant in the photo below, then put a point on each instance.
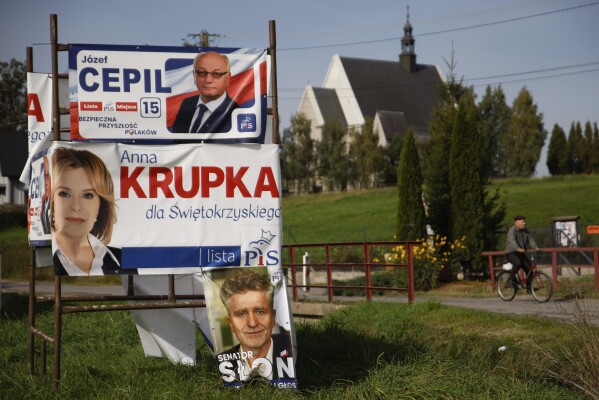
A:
(431, 258)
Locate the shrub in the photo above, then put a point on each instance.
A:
(430, 257)
(12, 215)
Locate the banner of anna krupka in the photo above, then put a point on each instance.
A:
(162, 209)
(251, 326)
(125, 93)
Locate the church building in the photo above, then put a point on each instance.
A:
(395, 94)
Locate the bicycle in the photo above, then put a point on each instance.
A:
(541, 288)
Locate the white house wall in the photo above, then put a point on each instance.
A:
(309, 108)
(336, 78)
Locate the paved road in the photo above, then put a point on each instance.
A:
(522, 305)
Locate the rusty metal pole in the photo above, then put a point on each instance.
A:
(273, 72)
(367, 266)
(410, 273)
(329, 272)
(56, 132)
(31, 336)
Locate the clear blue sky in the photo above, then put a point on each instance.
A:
(549, 46)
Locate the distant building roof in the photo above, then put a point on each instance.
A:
(329, 105)
(388, 86)
(395, 94)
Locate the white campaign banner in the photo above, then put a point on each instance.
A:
(158, 209)
(126, 93)
(39, 107)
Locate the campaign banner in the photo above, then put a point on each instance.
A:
(161, 209)
(133, 93)
(39, 107)
(251, 326)
(40, 193)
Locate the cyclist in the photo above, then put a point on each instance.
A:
(519, 239)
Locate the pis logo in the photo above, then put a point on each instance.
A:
(246, 122)
(258, 255)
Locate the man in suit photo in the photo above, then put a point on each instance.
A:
(209, 111)
(248, 298)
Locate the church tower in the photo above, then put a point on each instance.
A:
(407, 58)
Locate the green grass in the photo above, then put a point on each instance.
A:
(369, 215)
(365, 351)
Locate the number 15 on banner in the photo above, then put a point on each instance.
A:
(150, 107)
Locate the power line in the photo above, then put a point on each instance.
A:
(424, 89)
(535, 71)
(503, 21)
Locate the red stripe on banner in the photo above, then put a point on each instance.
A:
(241, 88)
(74, 113)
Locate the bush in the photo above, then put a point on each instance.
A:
(430, 258)
(12, 215)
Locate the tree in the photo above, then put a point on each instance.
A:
(366, 157)
(495, 115)
(595, 150)
(526, 136)
(435, 167)
(297, 155)
(392, 153)
(331, 152)
(557, 154)
(465, 181)
(13, 93)
(410, 209)
(575, 146)
(587, 148)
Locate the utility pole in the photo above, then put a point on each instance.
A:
(204, 38)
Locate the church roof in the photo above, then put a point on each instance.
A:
(388, 86)
(329, 105)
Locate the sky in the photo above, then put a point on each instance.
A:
(548, 46)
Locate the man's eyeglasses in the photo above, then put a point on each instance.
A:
(214, 74)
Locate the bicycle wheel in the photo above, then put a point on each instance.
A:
(542, 287)
(505, 286)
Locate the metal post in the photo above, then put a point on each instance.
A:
(293, 275)
(31, 336)
(55, 105)
(492, 272)
(596, 265)
(57, 328)
(554, 268)
(329, 272)
(367, 271)
(410, 273)
(306, 271)
(273, 66)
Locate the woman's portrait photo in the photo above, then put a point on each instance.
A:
(83, 212)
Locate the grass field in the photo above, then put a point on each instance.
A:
(369, 215)
(365, 351)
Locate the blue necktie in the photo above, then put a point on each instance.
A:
(198, 121)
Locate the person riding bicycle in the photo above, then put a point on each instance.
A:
(519, 240)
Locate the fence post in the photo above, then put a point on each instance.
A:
(410, 274)
(554, 268)
(293, 276)
(306, 271)
(367, 271)
(329, 272)
(596, 263)
(492, 272)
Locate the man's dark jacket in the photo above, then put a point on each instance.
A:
(218, 121)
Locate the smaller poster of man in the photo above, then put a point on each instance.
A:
(251, 327)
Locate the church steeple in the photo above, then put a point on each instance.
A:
(407, 58)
